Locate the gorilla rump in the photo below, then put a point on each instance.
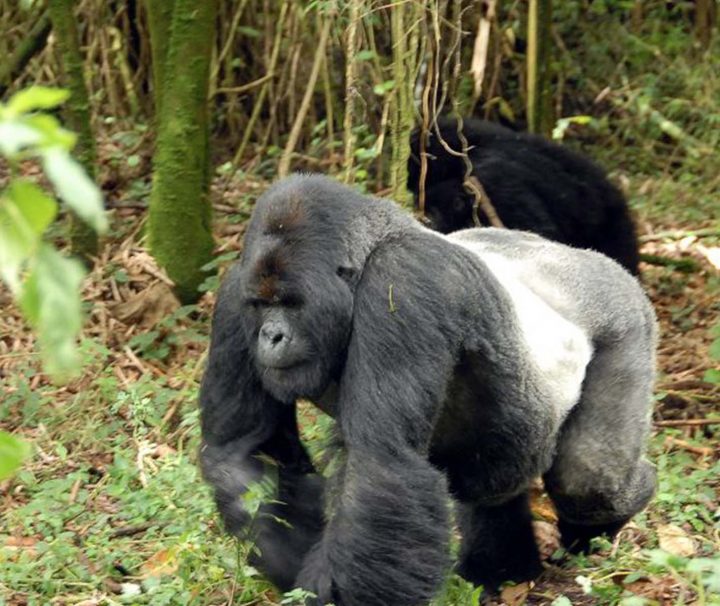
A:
(533, 184)
(541, 363)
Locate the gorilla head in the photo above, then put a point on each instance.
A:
(297, 295)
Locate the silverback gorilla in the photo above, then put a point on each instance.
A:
(533, 184)
(456, 366)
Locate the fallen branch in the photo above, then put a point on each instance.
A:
(687, 422)
(128, 531)
(703, 451)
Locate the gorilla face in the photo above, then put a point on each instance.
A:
(298, 316)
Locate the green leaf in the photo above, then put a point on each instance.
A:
(38, 209)
(366, 55)
(35, 98)
(16, 136)
(76, 189)
(13, 451)
(51, 129)
(715, 349)
(25, 213)
(712, 375)
(250, 32)
(385, 87)
(51, 302)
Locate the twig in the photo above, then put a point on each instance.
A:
(679, 234)
(244, 87)
(128, 531)
(703, 451)
(31, 45)
(482, 201)
(284, 165)
(687, 422)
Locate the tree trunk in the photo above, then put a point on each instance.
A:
(180, 213)
(159, 16)
(405, 45)
(83, 240)
(704, 22)
(539, 109)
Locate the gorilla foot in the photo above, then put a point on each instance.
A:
(576, 537)
(491, 574)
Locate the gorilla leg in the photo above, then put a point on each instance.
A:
(498, 543)
(599, 479)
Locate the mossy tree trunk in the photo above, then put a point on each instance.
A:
(539, 108)
(404, 27)
(705, 17)
(159, 16)
(180, 214)
(83, 240)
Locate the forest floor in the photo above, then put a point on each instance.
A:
(111, 509)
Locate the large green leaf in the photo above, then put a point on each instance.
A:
(51, 130)
(35, 98)
(25, 213)
(76, 189)
(16, 136)
(50, 300)
(37, 208)
(13, 451)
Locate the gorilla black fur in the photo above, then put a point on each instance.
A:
(541, 362)
(533, 184)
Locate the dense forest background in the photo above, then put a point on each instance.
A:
(180, 114)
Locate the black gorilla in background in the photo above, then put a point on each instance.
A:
(533, 184)
(541, 362)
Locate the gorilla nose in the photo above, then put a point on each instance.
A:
(273, 335)
(276, 347)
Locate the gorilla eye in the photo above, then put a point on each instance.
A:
(291, 301)
(256, 303)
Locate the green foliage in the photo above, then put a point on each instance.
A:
(160, 342)
(44, 283)
(12, 453)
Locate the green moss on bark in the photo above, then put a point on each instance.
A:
(83, 240)
(159, 13)
(180, 213)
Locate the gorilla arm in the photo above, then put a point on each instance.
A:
(386, 540)
(248, 439)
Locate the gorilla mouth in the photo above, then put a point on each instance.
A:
(282, 366)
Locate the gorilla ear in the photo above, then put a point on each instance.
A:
(349, 274)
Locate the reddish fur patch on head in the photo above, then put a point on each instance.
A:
(268, 271)
(285, 219)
